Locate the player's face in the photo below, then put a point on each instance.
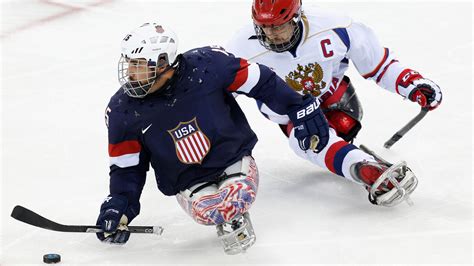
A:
(279, 34)
(140, 72)
(164, 74)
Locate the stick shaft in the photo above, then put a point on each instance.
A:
(406, 128)
(27, 216)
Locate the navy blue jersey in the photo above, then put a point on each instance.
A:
(193, 129)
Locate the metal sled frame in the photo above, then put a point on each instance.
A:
(402, 189)
(238, 240)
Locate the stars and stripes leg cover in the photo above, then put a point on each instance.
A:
(337, 156)
(220, 203)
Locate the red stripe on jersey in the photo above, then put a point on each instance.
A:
(125, 147)
(240, 77)
(336, 96)
(371, 74)
(331, 154)
(385, 70)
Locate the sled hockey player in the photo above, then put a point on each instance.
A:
(178, 113)
(310, 49)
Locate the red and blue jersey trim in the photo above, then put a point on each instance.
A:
(336, 154)
(382, 62)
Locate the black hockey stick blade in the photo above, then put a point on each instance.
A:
(406, 128)
(27, 216)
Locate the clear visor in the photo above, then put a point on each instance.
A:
(136, 76)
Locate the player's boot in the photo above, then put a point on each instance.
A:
(388, 185)
(236, 235)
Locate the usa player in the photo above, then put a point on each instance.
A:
(177, 113)
(311, 50)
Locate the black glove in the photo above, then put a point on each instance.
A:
(310, 125)
(113, 220)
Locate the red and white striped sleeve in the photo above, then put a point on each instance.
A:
(246, 77)
(125, 153)
(256, 81)
(373, 61)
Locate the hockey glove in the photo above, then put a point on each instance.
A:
(113, 221)
(310, 125)
(418, 89)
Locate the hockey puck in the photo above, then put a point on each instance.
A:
(51, 258)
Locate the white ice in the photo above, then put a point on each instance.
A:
(57, 77)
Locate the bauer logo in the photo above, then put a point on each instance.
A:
(308, 110)
(190, 142)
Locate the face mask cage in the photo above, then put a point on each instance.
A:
(282, 47)
(136, 76)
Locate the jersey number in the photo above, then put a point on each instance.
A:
(217, 48)
(107, 111)
(324, 46)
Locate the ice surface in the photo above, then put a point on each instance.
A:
(58, 74)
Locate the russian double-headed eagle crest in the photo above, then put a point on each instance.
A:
(308, 79)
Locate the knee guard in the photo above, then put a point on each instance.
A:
(344, 111)
(217, 202)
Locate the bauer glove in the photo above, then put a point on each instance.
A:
(418, 89)
(310, 125)
(113, 220)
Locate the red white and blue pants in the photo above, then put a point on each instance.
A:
(217, 203)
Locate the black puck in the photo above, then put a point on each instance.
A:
(51, 258)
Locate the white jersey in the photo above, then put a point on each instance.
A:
(322, 56)
(328, 42)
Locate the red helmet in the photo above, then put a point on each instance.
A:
(272, 13)
(267, 13)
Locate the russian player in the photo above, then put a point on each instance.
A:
(177, 113)
(311, 50)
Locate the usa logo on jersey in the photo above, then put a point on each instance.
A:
(190, 142)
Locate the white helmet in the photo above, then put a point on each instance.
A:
(152, 42)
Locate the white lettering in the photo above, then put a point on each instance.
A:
(107, 111)
(308, 110)
(220, 50)
(184, 131)
(408, 75)
(107, 199)
(300, 114)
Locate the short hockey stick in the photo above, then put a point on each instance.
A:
(406, 128)
(27, 216)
